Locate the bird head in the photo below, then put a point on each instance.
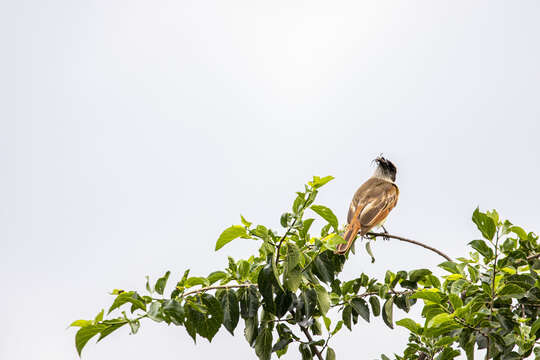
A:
(385, 168)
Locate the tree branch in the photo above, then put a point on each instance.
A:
(283, 238)
(412, 242)
(204, 289)
(310, 339)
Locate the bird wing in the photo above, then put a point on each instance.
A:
(375, 211)
(372, 202)
(370, 206)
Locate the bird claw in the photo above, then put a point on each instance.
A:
(386, 238)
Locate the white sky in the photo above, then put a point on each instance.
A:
(133, 132)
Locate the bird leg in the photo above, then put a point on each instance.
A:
(386, 232)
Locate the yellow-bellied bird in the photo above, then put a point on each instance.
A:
(371, 203)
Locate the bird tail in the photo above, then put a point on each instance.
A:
(349, 237)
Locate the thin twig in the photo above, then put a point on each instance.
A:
(412, 242)
(204, 289)
(535, 256)
(492, 289)
(310, 262)
(310, 339)
(282, 239)
(369, 293)
(308, 335)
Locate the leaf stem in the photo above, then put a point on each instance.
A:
(412, 242)
(282, 239)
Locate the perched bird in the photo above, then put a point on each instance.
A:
(371, 203)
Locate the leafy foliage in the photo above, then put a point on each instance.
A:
(290, 293)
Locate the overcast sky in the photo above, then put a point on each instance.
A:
(133, 132)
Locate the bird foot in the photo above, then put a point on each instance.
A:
(386, 238)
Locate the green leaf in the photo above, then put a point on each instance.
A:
(293, 279)
(417, 275)
(361, 307)
(330, 354)
(375, 305)
(285, 219)
(456, 301)
(305, 352)
(482, 248)
(229, 235)
(213, 320)
(134, 325)
(411, 325)
(298, 202)
(231, 312)
(174, 310)
(82, 323)
(249, 302)
(484, 223)
(445, 341)
(310, 300)
(265, 282)
(327, 322)
(216, 276)
(99, 316)
(535, 327)
(519, 232)
(434, 281)
(131, 297)
(86, 333)
(427, 295)
(263, 344)
(281, 344)
(346, 316)
(318, 182)
(387, 313)
(306, 225)
(449, 266)
(440, 319)
(326, 265)
(245, 222)
(161, 283)
(323, 299)
(368, 249)
(338, 327)
(283, 301)
(196, 280)
(154, 312)
(511, 290)
(244, 268)
(326, 214)
(473, 273)
(252, 330)
(184, 278)
(109, 329)
(293, 255)
(448, 354)
(331, 241)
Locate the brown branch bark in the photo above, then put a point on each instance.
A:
(412, 242)
(204, 289)
(313, 347)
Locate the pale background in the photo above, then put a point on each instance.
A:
(133, 132)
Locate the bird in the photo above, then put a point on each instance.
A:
(371, 203)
